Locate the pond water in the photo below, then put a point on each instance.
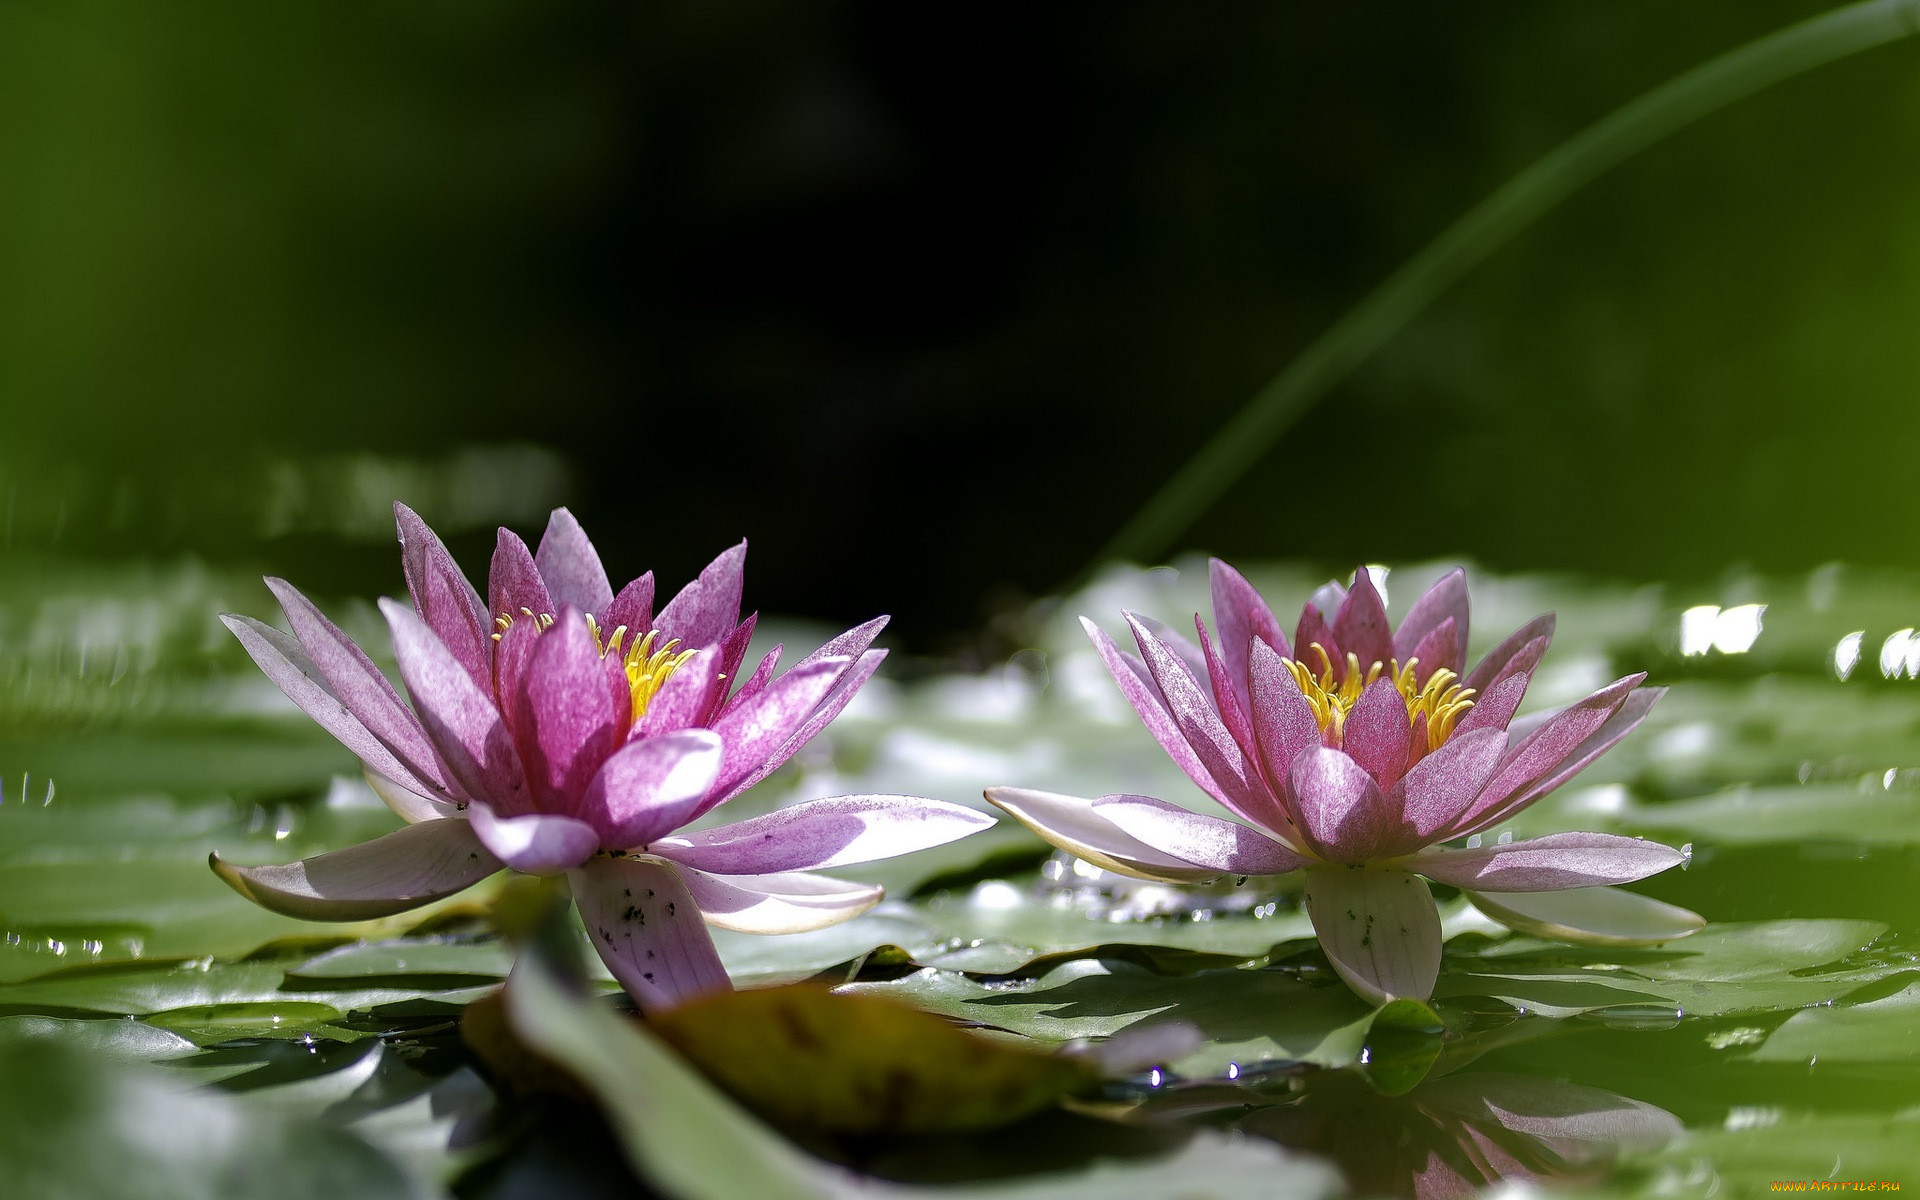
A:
(160, 1036)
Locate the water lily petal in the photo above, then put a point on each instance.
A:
(1562, 739)
(514, 584)
(572, 710)
(1283, 721)
(1224, 847)
(1137, 685)
(1495, 708)
(1443, 784)
(824, 833)
(1173, 641)
(462, 721)
(757, 682)
(757, 729)
(709, 607)
(1241, 615)
(1378, 733)
(1445, 601)
(1262, 806)
(1593, 916)
(849, 682)
(1546, 864)
(1361, 624)
(286, 662)
(688, 697)
(442, 596)
(511, 654)
(360, 686)
(633, 609)
(1314, 630)
(651, 787)
(410, 806)
(1342, 812)
(1239, 786)
(1072, 824)
(537, 843)
(1440, 648)
(733, 651)
(783, 902)
(1326, 600)
(405, 869)
(851, 644)
(1624, 721)
(1518, 647)
(1229, 703)
(571, 566)
(646, 925)
(1379, 929)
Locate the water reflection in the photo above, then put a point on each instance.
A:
(1729, 630)
(1900, 655)
(1846, 654)
(1450, 1136)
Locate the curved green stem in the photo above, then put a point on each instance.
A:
(1242, 441)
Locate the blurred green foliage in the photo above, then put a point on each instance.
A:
(919, 275)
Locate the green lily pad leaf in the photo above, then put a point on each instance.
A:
(1248, 1017)
(129, 1041)
(137, 989)
(1761, 966)
(481, 959)
(1403, 1042)
(678, 1130)
(1868, 1032)
(171, 1141)
(79, 885)
(693, 1143)
(806, 1057)
(211, 1023)
(752, 958)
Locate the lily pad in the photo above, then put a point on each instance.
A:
(1765, 966)
(1248, 1017)
(805, 1057)
(169, 1140)
(692, 1143)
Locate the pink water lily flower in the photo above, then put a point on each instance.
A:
(1354, 752)
(557, 727)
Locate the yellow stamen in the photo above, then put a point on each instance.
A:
(1440, 700)
(541, 622)
(647, 667)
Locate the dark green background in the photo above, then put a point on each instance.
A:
(926, 299)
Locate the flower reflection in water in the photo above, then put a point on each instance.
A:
(1450, 1136)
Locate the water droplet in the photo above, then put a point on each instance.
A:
(1635, 1016)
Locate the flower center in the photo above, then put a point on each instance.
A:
(1332, 694)
(648, 665)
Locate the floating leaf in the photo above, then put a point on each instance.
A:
(165, 1140)
(693, 1144)
(806, 1057)
(1403, 1042)
(1763, 966)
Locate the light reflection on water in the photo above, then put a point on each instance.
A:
(1708, 627)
